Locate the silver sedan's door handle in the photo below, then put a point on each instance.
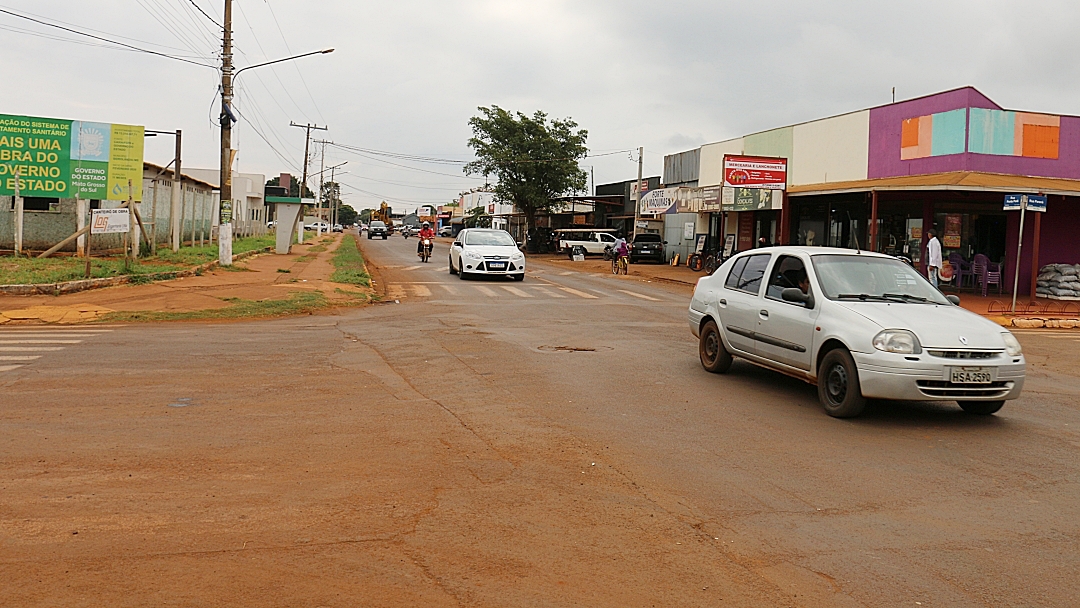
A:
(722, 302)
(764, 314)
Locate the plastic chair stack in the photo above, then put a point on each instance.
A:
(986, 273)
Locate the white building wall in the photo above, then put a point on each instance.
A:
(831, 150)
(711, 172)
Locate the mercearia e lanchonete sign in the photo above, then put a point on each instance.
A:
(56, 158)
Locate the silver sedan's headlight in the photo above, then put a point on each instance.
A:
(1012, 345)
(899, 341)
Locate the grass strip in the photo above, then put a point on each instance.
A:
(297, 303)
(32, 271)
(349, 264)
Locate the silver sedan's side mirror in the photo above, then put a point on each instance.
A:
(954, 299)
(796, 295)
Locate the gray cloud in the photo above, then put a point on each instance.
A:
(407, 75)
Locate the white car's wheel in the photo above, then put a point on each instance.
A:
(450, 263)
(838, 385)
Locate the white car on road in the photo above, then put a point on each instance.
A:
(483, 251)
(859, 325)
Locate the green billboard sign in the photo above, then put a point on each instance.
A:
(56, 158)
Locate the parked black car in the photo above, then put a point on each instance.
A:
(648, 247)
(377, 228)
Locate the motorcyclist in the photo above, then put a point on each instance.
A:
(425, 233)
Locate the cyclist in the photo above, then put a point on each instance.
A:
(622, 252)
(425, 233)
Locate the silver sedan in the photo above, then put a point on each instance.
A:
(859, 325)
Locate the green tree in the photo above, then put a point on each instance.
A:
(365, 215)
(331, 194)
(294, 187)
(534, 159)
(347, 215)
(477, 217)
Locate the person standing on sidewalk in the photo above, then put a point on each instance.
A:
(933, 257)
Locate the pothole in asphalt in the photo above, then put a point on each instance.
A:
(572, 349)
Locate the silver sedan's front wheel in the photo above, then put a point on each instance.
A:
(838, 385)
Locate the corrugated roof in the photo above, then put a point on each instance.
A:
(160, 169)
(954, 180)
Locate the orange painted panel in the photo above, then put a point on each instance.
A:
(909, 133)
(1041, 141)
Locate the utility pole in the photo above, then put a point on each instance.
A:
(333, 197)
(637, 203)
(308, 128)
(322, 170)
(225, 178)
(175, 202)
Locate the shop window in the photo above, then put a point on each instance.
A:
(36, 203)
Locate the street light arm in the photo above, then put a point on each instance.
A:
(259, 65)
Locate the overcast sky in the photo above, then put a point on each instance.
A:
(407, 75)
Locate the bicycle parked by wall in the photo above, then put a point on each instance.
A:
(709, 263)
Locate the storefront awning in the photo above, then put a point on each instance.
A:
(956, 180)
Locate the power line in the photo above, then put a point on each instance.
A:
(125, 45)
(204, 13)
(168, 21)
(298, 72)
(90, 29)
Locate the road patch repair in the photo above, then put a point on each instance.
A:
(265, 285)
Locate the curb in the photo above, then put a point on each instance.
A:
(59, 289)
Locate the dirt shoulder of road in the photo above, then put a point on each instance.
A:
(260, 286)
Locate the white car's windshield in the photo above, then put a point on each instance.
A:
(870, 278)
(490, 238)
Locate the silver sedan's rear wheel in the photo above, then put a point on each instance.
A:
(838, 385)
(714, 357)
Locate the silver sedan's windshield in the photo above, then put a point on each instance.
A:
(870, 278)
(490, 238)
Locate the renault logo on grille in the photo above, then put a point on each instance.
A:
(963, 340)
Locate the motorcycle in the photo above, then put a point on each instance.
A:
(405, 232)
(425, 251)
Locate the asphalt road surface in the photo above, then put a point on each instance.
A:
(492, 443)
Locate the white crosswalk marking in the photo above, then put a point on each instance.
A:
(40, 341)
(567, 273)
(638, 295)
(396, 292)
(487, 292)
(421, 291)
(550, 294)
(413, 268)
(580, 294)
(453, 290)
(517, 292)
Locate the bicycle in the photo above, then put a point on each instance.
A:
(620, 263)
(709, 263)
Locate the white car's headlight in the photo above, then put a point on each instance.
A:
(1012, 345)
(899, 341)
(472, 255)
(517, 256)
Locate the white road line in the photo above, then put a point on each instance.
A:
(8, 368)
(453, 290)
(19, 357)
(421, 291)
(638, 295)
(413, 268)
(487, 291)
(566, 274)
(580, 294)
(29, 349)
(40, 341)
(550, 294)
(395, 291)
(45, 334)
(517, 292)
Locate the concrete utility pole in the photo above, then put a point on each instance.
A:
(322, 171)
(175, 210)
(307, 145)
(637, 203)
(226, 118)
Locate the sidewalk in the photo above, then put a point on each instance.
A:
(262, 278)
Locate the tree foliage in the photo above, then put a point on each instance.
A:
(294, 187)
(534, 159)
(347, 215)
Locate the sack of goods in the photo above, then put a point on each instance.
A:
(1059, 282)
